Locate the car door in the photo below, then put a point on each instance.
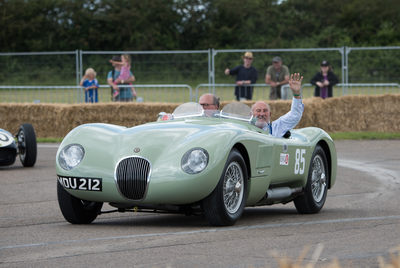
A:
(290, 160)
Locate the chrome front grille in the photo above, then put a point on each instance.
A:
(132, 175)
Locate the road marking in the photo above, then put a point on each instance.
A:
(382, 174)
(48, 145)
(214, 230)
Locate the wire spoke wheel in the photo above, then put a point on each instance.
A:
(225, 205)
(21, 145)
(233, 190)
(27, 147)
(318, 179)
(315, 191)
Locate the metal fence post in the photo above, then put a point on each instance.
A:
(210, 68)
(214, 53)
(78, 74)
(344, 69)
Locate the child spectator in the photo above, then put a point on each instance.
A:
(89, 82)
(124, 74)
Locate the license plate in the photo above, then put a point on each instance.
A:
(80, 183)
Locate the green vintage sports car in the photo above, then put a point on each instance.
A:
(194, 162)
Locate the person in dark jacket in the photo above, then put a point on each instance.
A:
(245, 76)
(324, 81)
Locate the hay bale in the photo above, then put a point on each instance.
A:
(380, 113)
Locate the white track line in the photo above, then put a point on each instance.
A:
(214, 230)
(382, 174)
(48, 145)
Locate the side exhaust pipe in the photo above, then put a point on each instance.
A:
(279, 195)
(276, 194)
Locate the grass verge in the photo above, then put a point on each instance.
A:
(365, 135)
(49, 140)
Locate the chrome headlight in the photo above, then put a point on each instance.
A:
(195, 160)
(70, 156)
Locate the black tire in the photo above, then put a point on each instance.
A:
(217, 209)
(27, 146)
(75, 210)
(316, 188)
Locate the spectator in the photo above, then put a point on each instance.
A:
(124, 75)
(209, 101)
(125, 94)
(280, 127)
(276, 76)
(245, 76)
(89, 82)
(324, 81)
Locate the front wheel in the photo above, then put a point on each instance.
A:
(75, 210)
(27, 146)
(226, 203)
(316, 188)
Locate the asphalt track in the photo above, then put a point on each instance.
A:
(359, 224)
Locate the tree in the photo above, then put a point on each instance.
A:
(54, 25)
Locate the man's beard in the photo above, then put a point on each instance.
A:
(261, 122)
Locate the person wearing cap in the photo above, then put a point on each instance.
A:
(245, 76)
(324, 81)
(125, 93)
(261, 112)
(276, 76)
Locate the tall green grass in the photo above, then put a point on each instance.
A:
(170, 95)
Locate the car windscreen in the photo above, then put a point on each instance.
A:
(234, 110)
(188, 109)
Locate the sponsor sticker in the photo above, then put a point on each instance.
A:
(82, 184)
(284, 160)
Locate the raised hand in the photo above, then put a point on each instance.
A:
(295, 83)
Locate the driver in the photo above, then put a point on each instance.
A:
(209, 102)
(278, 128)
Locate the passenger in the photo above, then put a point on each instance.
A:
(209, 102)
(278, 128)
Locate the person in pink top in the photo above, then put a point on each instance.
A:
(125, 73)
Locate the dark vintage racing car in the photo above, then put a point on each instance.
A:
(192, 161)
(22, 144)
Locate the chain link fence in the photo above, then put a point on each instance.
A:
(54, 76)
